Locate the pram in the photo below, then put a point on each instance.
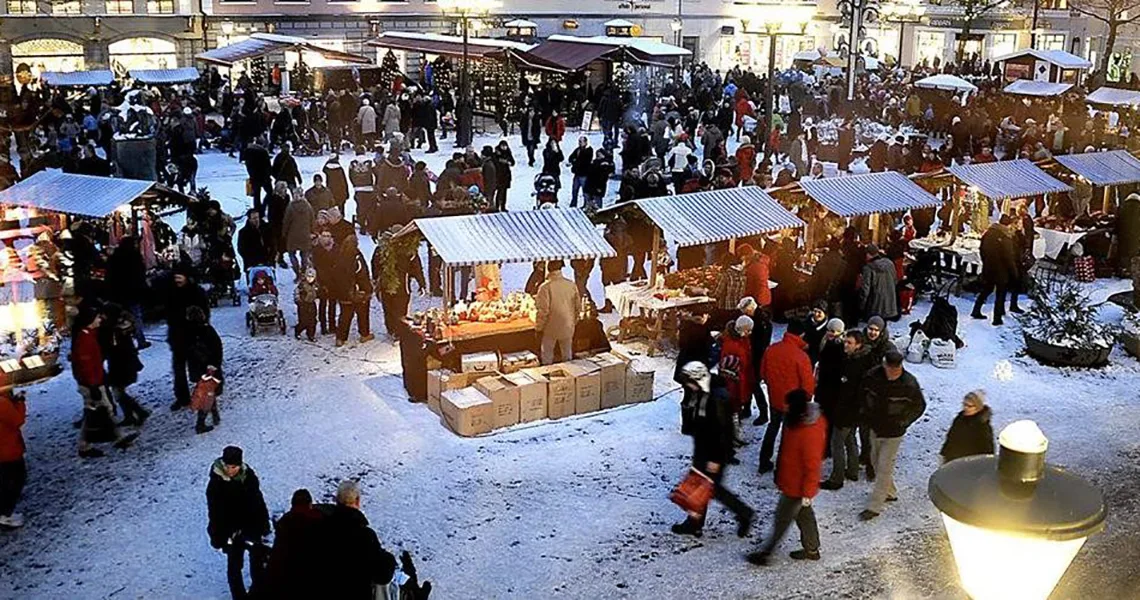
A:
(220, 277)
(263, 312)
(545, 190)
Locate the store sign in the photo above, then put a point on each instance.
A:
(978, 24)
(636, 5)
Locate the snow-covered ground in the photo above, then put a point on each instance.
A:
(568, 509)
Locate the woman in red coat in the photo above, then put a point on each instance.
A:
(736, 365)
(13, 471)
(87, 368)
(756, 274)
(746, 161)
(743, 108)
(798, 476)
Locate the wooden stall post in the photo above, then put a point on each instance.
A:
(955, 214)
(447, 287)
(1107, 203)
(653, 256)
(732, 246)
(873, 223)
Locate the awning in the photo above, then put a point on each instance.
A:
(1115, 167)
(1065, 60)
(570, 56)
(1008, 179)
(165, 76)
(82, 195)
(1029, 87)
(513, 237)
(521, 24)
(714, 216)
(1114, 97)
(946, 82)
(574, 53)
(77, 78)
(444, 45)
(857, 195)
(808, 55)
(262, 44)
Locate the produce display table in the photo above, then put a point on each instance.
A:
(636, 300)
(419, 354)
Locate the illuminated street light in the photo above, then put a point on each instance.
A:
(1014, 523)
(465, 11)
(775, 20)
(902, 12)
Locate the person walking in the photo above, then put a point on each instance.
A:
(238, 519)
(352, 289)
(336, 179)
(706, 416)
(581, 160)
(879, 292)
(252, 243)
(530, 124)
(203, 352)
(893, 401)
(297, 233)
(351, 560)
(761, 340)
(13, 468)
(366, 121)
(971, 433)
(259, 170)
(558, 304)
(552, 158)
(292, 568)
(857, 360)
(504, 162)
(785, 367)
(598, 178)
(321, 197)
(736, 368)
(999, 269)
(285, 167)
(123, 364)
(392, 118)
(181, 295)
(127, 283)
(797, 477)
(829, 369)
(87, 367)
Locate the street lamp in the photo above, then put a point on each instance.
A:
(465, 10)
(1014, 522)
(776, 20)
(856, 13)
(902, 12)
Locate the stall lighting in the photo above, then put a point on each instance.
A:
(20, 316)
(1014, 522)
(774, 18)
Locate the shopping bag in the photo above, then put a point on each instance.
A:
(916, 351)
(694, 492)
(943, 354)
(205, 393)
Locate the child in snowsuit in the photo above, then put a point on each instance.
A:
(306, 298)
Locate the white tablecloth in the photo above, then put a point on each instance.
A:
(630, 298)
(1055, 241)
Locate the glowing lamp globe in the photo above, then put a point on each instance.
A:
(1014, 523)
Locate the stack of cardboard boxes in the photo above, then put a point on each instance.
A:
(495, 392)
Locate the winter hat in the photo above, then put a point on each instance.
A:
(232, 456)
(334, 214)
(746, 303)
(877, 321)
(836, 326)
(745, 140)
(872, 249)
(697, 372)
(820, 305)
(744, 324)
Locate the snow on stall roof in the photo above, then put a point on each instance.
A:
(945, 81)
(72, 194)
(1008, 179)
(1114, 167)
(650, 47)
(1065, 60)
(165, 76)
(1029, 87)
(77, 78)
(856, 195)
(1114, 97)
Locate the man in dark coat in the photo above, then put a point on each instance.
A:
(127, 283)
(581, 162)
(490, 173)
(257, 166)
(857, 361)
(598, 178)
(253, 241)
(971, 433)
(504, 162)
(292, 570)
(182, 294)
(285, 167)
(999, 269)
(892, 401)
(879, 295)
(238, 518)
(320, 196)
(352, 560)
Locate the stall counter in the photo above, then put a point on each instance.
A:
(419, 354)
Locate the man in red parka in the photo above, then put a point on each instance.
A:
(737, 368)
(785, 367)
(757, 269)
(13, 471)
(801, 462)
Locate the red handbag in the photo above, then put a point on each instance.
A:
(204, 394)
(694, 492)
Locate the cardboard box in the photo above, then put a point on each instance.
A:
(613, 379)
(587, 385)
(513, 362)
(532, 396)
(480, 362)
(504, 397)
(467, 411)
(560, 390)
(442, 380)
(639, 382)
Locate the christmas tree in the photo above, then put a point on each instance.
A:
(1062, 315)
(389, 70)
(442, 74)
(301, 78)
(258, 72)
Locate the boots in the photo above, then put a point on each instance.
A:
(201, 426)
(689, 526)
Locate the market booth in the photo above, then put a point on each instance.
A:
(37, 278)
(1108, 171)
(494, 322)
(77, 79)
(869, 195)
(1040, 89)
(689, 221)
(165, 76)
(1115, 97)
(1056, 66)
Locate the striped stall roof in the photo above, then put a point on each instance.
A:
(1008, 179)
(165, 76)
(1103, 168)
(77, 78)
(512, 237)
(263, 44)
(717, 215)
(856, 195)
(67, 193)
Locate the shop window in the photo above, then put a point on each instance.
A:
(120, 7)
(160, 7)
(142, 53)
(1002, 44)
(65, 7)
(930, 45)
(48, 54)
(1051, 41)
(21, 7)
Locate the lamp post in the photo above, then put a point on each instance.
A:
(776, 20)
(902, 12)
(1015, 523)
(465, 10)
(856, 14)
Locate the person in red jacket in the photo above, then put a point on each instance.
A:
(801, 462)
(555, 127)
(757, 267)
(87, 368)
(737, 368)
(745, 161)
(13, 470)
(785, 367)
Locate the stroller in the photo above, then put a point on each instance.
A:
(545, 190)
(220, 277)
(263, 312)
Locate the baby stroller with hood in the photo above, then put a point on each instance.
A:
(545, 190)
(264, 312)
(220, 276)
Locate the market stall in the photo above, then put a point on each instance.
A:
(165, 76)
(688, 221)
(1114, 97)
(1040, 89)
(78, 79)
(1108, 171)
(946, 82)
(1055, 66)
(870, 195)
(494, 321)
